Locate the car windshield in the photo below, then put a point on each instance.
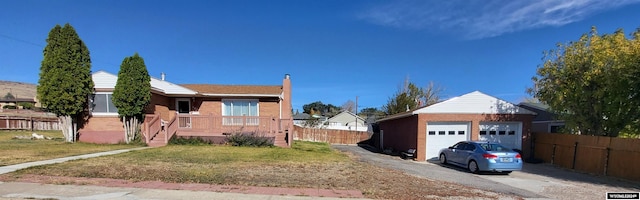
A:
(494, 147)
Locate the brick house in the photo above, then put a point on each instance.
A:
(207, 111)
(473, 116)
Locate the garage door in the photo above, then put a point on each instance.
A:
(508, 134)
(444, 134)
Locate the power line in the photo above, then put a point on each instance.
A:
(42, 46)
(20, 40)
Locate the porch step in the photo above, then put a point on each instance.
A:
(158, 140)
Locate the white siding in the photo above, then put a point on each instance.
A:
(102, 79)
(474, 103)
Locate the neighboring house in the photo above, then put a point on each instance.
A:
(346, 120)
(207, 111)
(15, 102)
(545, 121)
(305, 120)
(301, 119)
(473, 116)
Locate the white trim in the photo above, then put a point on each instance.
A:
(103, 113)
(280, 113)
(241, 95)
(395, 116)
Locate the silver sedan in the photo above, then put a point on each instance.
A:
(482, 156)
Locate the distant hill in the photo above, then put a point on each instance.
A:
(18, 89)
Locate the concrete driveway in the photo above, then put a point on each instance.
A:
(535, 181)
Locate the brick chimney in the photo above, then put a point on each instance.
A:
(287, 109)
(286, 102)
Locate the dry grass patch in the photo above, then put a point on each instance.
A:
(15, 151)
(305, 165)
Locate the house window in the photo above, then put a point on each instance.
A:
(452, 132)
(460, 132)
(502, 132)
(432, 132)
(237, 111)
(101, 104)
(556, 127)
(441, 132)
(483, 132)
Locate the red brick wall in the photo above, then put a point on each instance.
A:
(100, 129)
(269, 109)
(160, 104)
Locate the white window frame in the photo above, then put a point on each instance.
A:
(226, 100)
(102, 113)
(231, 121)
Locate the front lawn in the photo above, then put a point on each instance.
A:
(15, 151)
(305, 165)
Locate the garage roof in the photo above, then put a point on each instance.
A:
(474, 103)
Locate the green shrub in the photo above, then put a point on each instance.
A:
(249, 139)
(188, 141)
(26, 105)
(9, 107)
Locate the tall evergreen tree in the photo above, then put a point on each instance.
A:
(132, 94)
(65, 78)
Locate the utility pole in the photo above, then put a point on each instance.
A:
(356, 113)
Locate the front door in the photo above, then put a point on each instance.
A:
(183, 106)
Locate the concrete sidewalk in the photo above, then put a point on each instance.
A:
(16, 190)
(12, 168)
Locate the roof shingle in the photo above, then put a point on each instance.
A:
(234, 89)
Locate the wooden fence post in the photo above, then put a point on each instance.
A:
(575, 151)
(553, 153)
(606, 161)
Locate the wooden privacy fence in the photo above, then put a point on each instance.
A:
(329, 135)
(29, 123)
(599, 155)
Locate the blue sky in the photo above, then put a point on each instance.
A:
(334, 50)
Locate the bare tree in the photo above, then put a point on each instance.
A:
(349, 106)
(432, 94)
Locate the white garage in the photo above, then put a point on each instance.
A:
(508, 134)
(444, 134)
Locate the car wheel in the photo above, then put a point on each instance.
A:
(443, 159)
(473, 166)
(506, 172)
